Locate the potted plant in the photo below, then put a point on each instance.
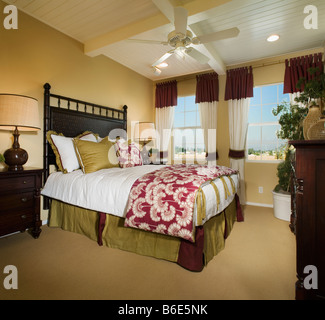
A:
(313, 97)
(2, 158)
(291, 122)
(313, 88)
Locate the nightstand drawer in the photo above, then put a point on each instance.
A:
(20, 194)
(16, 221)
(17, 183)
(17, 201)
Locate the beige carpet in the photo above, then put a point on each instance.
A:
(258, 263)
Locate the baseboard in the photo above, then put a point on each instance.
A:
(264, 205)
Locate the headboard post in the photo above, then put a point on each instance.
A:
(47, 88)
(125, 117)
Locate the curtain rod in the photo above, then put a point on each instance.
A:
(184, 78)
(257, 66)
(277, 62)
(268, 64)
(193, 76)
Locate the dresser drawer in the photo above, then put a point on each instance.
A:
(16, 221)
(17, 201)
(17, 183)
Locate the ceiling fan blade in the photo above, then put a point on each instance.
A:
(147, 41)
(220, 35)
(163, 58)
(197, 55)
(181, 17)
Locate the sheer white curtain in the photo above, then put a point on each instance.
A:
(239, 90)
(238, 125)
(207, 97)
(166, 100)
(208, 115)
(164, 125)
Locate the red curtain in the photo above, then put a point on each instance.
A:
(166, 94)
(240, 84)
(207, 88)
(297, 68)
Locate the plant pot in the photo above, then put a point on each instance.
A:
(317, 131)
(282, 205)
(312, 117)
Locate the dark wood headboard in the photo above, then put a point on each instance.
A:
(72, 117)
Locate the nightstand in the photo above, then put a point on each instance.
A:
(20, 194)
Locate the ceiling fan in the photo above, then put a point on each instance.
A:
(182, 39)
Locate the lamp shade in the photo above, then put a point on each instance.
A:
(18, 112)
(145, 131)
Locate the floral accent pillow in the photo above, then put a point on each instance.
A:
(128, 154)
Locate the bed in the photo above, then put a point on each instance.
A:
(125, 206)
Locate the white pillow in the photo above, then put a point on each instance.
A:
(65, 153)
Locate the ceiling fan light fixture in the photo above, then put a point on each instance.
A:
(180, 51)
(273, 38)
(162, 65)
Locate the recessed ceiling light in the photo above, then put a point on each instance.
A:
(163, 65)
(273, 38)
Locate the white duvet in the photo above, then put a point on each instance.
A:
(107, 190)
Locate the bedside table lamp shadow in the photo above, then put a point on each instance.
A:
(18, 113)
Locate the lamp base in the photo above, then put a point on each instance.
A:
(15, 159)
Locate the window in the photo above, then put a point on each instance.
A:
(262, 142)
(188, 135)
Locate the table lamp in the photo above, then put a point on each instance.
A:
(145, 133)
(18, 113)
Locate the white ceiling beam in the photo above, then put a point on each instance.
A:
(95, 46)
(166, 8)
(216, 63)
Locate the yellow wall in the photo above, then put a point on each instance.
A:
(35, 54)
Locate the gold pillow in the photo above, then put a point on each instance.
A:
(94, 156)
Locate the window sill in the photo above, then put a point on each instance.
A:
(264, 161)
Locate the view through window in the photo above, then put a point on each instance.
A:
(262, 142)
(188, 135)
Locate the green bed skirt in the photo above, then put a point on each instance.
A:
(115, 235)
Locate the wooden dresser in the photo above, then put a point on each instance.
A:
(20, 201)
(310, 218)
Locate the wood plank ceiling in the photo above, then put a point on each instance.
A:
(104, 25)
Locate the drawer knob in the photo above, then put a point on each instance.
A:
(25, 182)
(24, 217)
(24, 200)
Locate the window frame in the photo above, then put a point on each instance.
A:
(264, 124)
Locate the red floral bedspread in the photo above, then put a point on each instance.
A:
(163, 201)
